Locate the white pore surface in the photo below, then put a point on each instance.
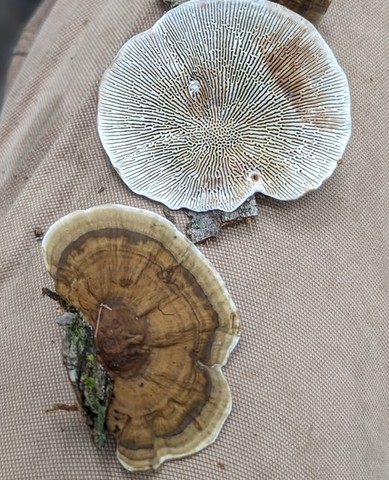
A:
(222, 99)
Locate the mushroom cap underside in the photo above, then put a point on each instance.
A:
(221, 99)
(164, 326)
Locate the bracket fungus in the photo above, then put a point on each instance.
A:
(221, 99)
(164, 325)
(312, 10)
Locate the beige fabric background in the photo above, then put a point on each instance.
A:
(310, 278)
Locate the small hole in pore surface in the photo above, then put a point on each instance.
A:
(255, 177)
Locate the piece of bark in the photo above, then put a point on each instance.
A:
(90, 381)
(204, 225)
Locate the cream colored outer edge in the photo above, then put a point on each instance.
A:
(70, 227)
(211, 430)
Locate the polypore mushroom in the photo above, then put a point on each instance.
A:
(221, 99)
(163, 322)
(313, 10)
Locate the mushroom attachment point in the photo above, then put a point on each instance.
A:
(164, 325)
(223, 99)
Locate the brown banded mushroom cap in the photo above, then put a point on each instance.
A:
(164, 326)
(221, 99)
(313, 10)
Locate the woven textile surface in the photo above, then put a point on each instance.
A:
(310, 376)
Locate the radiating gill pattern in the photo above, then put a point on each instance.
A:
(222, 99)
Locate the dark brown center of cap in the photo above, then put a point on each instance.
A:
(120, 338)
